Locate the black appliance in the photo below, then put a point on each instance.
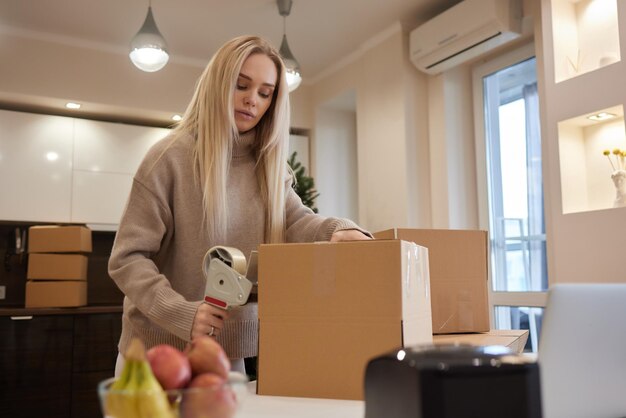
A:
(452, 381)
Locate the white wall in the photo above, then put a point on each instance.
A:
(452, 155)
(391, 123)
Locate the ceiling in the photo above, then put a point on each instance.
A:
(320, 32)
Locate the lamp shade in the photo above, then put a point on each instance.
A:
(148, 49)
(292, 68)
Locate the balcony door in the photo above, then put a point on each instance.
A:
(508, 152)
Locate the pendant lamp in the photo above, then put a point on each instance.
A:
(148, 50)
(291, 64)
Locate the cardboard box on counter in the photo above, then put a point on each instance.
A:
(57, 267)
(56, 294)
(458, 276)
(326, 309)
(515, 339)
(59, 239)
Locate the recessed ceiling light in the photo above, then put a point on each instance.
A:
(177, 118)
(601, 116)
(72, 105)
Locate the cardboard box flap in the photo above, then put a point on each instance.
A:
(293, 277)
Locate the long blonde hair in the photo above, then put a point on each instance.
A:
(210, 119)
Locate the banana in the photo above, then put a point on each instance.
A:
(121, 401)
(115, 399)
(137, 393)
(152, 400)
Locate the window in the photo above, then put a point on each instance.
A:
(508, 144)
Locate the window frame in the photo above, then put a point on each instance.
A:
(524, 52)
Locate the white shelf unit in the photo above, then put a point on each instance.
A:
(585, 234)
(586, 182)
(586, 36)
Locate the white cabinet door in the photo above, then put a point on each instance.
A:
(112, 147)
(35, 167)
(106, 157)
(99, 198)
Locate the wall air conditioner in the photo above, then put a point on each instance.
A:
(464, 31)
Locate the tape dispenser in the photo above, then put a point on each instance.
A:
(226, 285)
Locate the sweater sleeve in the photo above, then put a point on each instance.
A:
(304, 225)
(139, 241)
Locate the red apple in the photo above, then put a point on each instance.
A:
(170, 366)
(207, 356)
(208, 396)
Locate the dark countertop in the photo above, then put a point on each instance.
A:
(60, 311)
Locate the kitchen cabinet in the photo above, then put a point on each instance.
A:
(35, 167)
(99, 198)
(67, 170)
(106, 156)
(112, 147)
(51, 364)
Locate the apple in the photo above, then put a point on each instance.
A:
(208, 396)
(207, 356)
(170, 366)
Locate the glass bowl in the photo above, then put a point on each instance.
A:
(198, 402)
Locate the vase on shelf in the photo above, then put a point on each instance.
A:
(619, 179)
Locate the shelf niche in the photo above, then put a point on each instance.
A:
(586, 183)
(586, 36)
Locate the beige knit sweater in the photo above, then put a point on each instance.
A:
(158, 250)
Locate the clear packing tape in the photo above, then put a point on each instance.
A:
(225, 271)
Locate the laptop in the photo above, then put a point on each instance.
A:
(582, 352)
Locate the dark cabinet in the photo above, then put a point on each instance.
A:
(95, 352)
(50, 365)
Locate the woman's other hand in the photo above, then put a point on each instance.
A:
(209, 320)
(348, 235)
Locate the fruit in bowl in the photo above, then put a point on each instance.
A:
(170, 366)
(159, 384)
(207, 356)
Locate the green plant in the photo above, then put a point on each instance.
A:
(303, 184)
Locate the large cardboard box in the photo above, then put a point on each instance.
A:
(59, 239)
(458, 276)
(56, 294)
(326, 309)
(57, 266)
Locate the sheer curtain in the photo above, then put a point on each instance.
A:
(536, 221)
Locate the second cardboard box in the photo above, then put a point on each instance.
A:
(458, 276)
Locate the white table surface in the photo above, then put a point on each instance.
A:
(258, 406)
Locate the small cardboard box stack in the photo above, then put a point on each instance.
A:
(458, 262)
(57, 266)
(326, 309)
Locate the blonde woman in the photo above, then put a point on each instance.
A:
(220, 178)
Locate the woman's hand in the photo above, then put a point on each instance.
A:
(209, 320)
(348, 235)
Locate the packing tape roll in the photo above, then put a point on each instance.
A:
(229, 255)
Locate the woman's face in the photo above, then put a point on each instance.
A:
(254, 91)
